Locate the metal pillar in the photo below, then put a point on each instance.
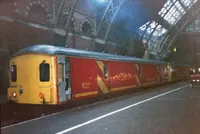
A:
(108, 18)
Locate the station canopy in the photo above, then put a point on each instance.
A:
(172, 11)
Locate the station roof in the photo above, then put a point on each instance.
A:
(150, 20)
(166, 18)
(153, 22)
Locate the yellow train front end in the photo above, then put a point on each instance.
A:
(33, 79)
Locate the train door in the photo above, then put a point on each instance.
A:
(169, 72)
(159, 73)
(103, 79)
(67, 78)
(106, 77)
(63, 81)
(138, 74)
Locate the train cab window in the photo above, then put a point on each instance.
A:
(13, 73)
(105, 72)
(194, 71)
(44, 72)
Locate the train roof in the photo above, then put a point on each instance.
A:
(55, 50)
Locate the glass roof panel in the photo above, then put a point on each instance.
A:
(143, 27)
(194, 27)
(154, 27)
(180, 8)
(153, 34)
(161, 30)
(149, 27)
(188, 3)
(172, 11)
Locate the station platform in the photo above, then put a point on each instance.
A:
(3, 98)
(173, 109)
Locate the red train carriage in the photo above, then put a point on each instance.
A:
(54, 75)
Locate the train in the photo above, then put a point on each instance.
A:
(194, 76)
(52, 75)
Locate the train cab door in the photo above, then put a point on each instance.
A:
(64, 90)
(67, 79)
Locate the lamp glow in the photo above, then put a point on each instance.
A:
(101, 1)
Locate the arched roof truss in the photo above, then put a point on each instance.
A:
(158, 36)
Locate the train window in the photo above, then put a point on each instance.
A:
(67, 67)
(44, 72)
(139, 71)
(13, 73)
(105, 72)
(61, 72)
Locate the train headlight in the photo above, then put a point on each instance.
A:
(41, 95)
(197, 80)
(193, 80)
(14, 94)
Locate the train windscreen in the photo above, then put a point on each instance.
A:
(194, 71)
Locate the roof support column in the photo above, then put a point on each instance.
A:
(108, 18)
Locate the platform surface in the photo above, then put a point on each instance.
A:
(172, 109)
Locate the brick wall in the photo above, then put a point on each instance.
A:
(14, 37)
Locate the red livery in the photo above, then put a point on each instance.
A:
(194, 76)
(68, 74)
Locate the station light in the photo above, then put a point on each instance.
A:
(174, 50)
(14, 94)
(100, 1)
